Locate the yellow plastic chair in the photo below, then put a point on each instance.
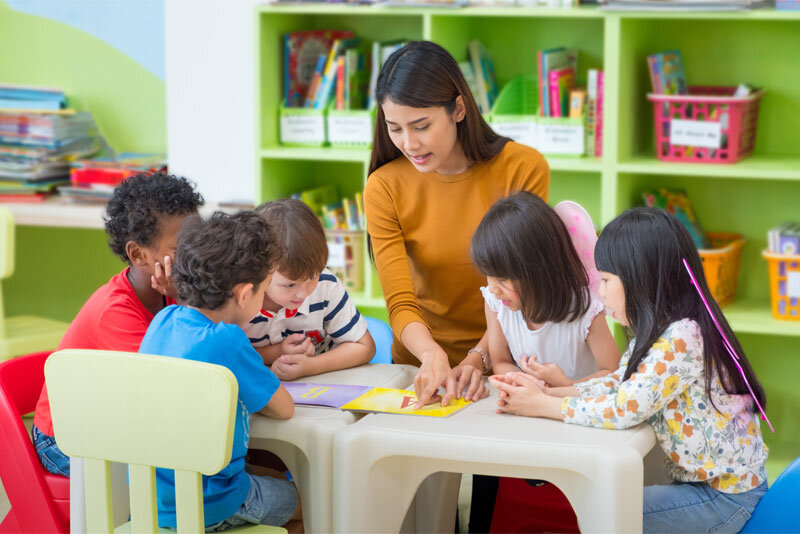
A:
(24, 334)
(145, 411)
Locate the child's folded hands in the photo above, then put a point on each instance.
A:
(550, 373)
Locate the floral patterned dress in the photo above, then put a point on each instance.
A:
(723, 448)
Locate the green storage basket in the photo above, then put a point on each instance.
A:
(302, 126)
(514, 113)
(350, 128)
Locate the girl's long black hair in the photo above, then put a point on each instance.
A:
(645, 247)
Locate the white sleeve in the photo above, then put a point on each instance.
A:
(342, 321)
(491, 300)
(595, 307)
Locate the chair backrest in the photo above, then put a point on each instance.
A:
(382, 334)
(146, 411)
(21, 381)
(777, 511)
(6, 243)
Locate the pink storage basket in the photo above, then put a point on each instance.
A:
(726, 123)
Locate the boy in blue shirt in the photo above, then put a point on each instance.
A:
(222, 269)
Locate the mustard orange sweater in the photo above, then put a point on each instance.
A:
(421, 225)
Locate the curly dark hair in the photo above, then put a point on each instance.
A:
(139, 203)
(217, 253)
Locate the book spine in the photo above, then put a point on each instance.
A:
(591, 111)
(315, 81)
(598, 147)
(340, 83)
(555, 94)
(541, 80)
(287, 95)
(655, 75)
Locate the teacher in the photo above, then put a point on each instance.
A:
(436, 168)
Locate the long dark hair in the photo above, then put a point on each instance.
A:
(523, 240)
(644, 247)
(422, 74)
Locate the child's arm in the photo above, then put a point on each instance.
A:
(604, 348)
(343, 356)
(280, 406)
(293, 344)
(502, 362)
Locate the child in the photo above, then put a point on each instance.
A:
(306, 310)
(142, 222)
(221, 273)
(540, 314)
(676, 375)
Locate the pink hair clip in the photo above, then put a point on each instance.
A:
(727, 343)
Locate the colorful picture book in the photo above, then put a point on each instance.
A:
(784, 238)
(677, 203)
(547, 62)
(667, 75)
(301, 57)
(367, 399)
(24, 97)
(484, 77)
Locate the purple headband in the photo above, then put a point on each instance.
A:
(727, 343)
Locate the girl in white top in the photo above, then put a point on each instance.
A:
(540, 315)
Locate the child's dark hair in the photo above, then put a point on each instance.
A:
(645, 247)
(304, 250)
(137, 205)
(217, 253)
(521, 239)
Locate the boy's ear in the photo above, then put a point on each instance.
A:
(240, 292)
(135, 253)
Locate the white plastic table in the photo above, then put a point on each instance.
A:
(304, 443)
(380, 461)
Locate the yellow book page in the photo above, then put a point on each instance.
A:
(386, 400)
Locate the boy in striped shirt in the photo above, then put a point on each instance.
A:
(307, 325)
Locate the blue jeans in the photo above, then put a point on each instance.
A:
(270, 501)
(697, 507)
(49, 454)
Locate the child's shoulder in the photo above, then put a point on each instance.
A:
(684, 336)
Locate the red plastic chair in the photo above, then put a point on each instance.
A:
(521, 507)
(39, 500)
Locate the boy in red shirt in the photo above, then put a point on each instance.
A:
(142, 222)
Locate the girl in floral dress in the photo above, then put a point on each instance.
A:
(675, 375)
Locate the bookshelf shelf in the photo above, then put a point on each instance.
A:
(753, 168)
(754, 316)
(749, 197)
(317, 154)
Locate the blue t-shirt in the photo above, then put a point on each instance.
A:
(182, 332)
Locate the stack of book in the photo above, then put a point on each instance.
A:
(37, 147)
(784, 238)
(480, 77)
(94, 180)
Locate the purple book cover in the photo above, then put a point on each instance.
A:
(333, 395)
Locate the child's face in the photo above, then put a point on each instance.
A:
(613, 296)
(252, 303)
(288, 293)
(165, 243)
(504, 291)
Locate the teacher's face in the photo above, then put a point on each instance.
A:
(427, 136)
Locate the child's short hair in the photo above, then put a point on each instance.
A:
(300, 236)
(523, 240)
(138, 203)
(217, 253)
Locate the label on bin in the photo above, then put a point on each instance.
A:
(695, 133)
(302, 129)
(336, 255)
(793, 284)
(344, 129)
(523, 132)
(561, 139)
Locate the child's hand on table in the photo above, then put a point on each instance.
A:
(550, 373)
(519, 393)
(291, 366)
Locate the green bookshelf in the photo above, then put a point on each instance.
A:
(749, 197)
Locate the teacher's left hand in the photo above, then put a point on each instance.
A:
(469, 378)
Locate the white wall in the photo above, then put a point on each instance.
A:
(210, 95)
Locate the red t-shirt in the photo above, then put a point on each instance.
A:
(112, 319)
